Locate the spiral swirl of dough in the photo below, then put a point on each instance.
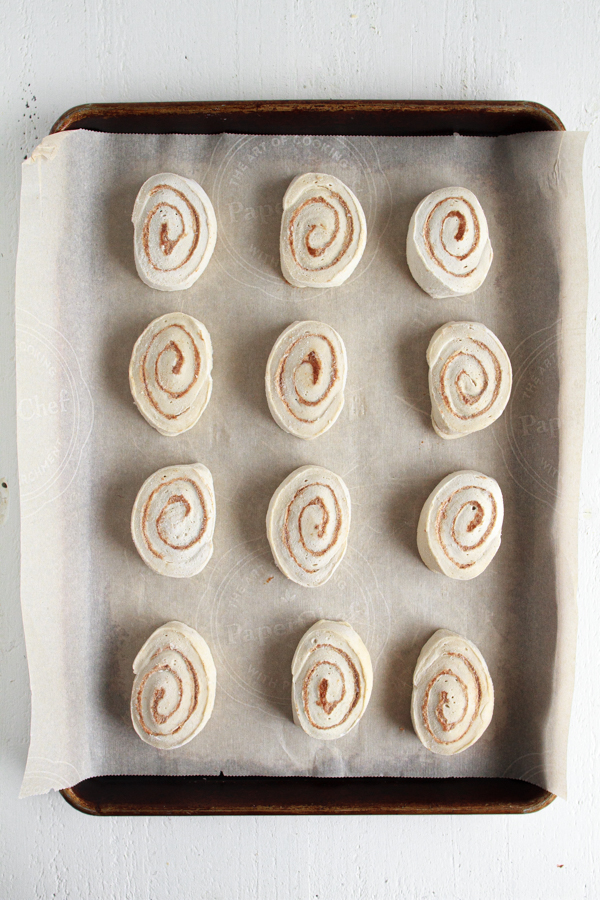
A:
(308, 521)
(453, 695)
(448, 247)
(332, 679)
(175, 231)
(323, 231)
(170, 372)
(174, 687)
(460, 526)
(173, 520)
(470, 378)
(305, 379)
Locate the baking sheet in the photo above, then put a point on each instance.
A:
(88, 600)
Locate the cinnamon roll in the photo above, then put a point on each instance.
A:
(332, 680)
(174, 688)
(453, 694)
(460, 525)
(307, 525)
(305, 379)
(448, 249)
(175, 231)
(173, 520)
(170, 372)
(470, 378)
(323, 231)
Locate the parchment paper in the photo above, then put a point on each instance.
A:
(89, 601)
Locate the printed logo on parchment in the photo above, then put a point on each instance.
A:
(259, 616)
(531, 419)
(248, 192)
(54, 413)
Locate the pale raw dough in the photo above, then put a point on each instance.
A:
(308, 521)
(460, 525)
(332, 680)
(470, 378)
(448, 249)
(453, 694)
(323, 231)
(170, 372)
(174, 689)
(305, 379)
(175, 232)
(173, 520)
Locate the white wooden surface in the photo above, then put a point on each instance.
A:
(59, 53)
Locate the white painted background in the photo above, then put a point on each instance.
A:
(55, 54)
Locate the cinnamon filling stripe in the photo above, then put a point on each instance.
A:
(316, 501)
(475, 522)
(312, 359)
(460, 232)
(316, 252)
(329, 706)
(465, 398)
(446, 726)
(173, 346)
(173, 498)
(167, 244)
(158, 694)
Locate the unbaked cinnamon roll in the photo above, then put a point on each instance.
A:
(170, 372)
(174, 688)
(470, 378)
(173, 520)
(460, 526)
(453, 695)
(305, 379)
(308, 521)
(448, 249)
(332, 680)
(323, 231)
(175, 231)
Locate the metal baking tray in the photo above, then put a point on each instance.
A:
(243, 795)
